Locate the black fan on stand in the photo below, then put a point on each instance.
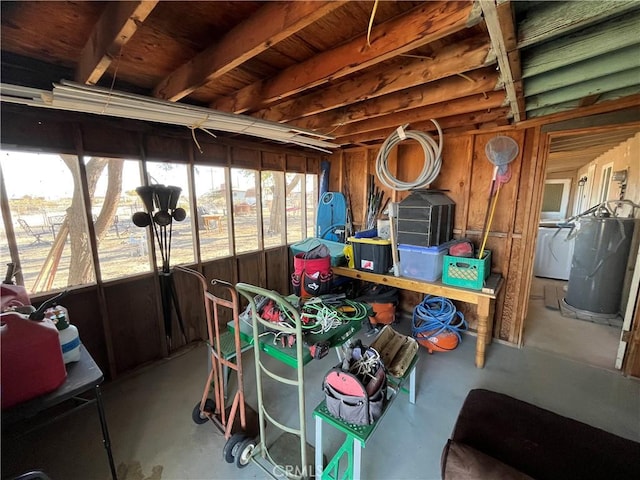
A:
(160, 202)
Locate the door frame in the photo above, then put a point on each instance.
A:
(629, 353)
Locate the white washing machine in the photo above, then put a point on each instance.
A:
(554, 251)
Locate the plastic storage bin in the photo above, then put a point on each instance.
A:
(371, 254)
(423, 263)
(466, 272)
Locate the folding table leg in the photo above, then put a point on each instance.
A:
(357, 459)
(318, 449)
(412, 385)
(105, 431)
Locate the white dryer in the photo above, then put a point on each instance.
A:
(554, 251)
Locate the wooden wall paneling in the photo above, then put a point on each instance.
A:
(454, 176)
(36, 131)
(221, 269)
(313, 165)
(158, 148)
(211, 154)
(251, 269)
(98, 141)
(245, 158)
(191, 301)
(277, 269)
(507, 323)
(355, 177)
(506, 259)
(539, 147)
(336, 171)
(135, 315)
(481, 184)
(526, 184)
(272, 161)
(372, 157)
(409, 161)
(296, 163)
(631, 364)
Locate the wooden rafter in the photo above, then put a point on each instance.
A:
(476, 82)
(117, 24)
(388, 78)
(271, 24)
(469, 121)
(465, 105)
(502, 33)
(420, 26)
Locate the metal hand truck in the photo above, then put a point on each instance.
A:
(292, 443)
(224, 348)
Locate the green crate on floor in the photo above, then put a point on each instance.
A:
(466, 272)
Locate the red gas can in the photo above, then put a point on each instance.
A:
(31, 357)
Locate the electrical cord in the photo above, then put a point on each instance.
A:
(432, 158)
(437, 315)
(327, 316)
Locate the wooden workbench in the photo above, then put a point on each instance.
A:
(484, 302)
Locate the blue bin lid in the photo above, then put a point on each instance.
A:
(434, 249)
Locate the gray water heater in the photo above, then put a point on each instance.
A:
(599, 263)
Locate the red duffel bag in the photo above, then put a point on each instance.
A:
(312, 273)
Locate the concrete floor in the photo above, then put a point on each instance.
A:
(547, 330)
(154, 438)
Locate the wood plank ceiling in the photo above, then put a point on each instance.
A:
(318, 65)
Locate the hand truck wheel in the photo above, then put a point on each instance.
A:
(231, 447)
(200, 417)
(244, 453)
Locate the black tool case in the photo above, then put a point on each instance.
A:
(425, 218)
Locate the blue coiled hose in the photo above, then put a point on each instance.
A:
(436, 315)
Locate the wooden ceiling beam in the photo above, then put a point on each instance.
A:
(499, 21)
(470, 120)
(473, 103)
(117, 24)
(420, 26)
(274, 22)
(388, 78)
(446, 89)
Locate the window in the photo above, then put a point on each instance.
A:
(47, 210)
(605, 182)
(244, 184)
(273, 209)
(175, 174)
(212, 213)
(555, 199)
(311, 203)
(123, 248)
(45, 193)
(294, 201)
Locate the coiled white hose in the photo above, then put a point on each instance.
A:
(432, 159)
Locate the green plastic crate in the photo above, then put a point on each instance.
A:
(466, 272)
